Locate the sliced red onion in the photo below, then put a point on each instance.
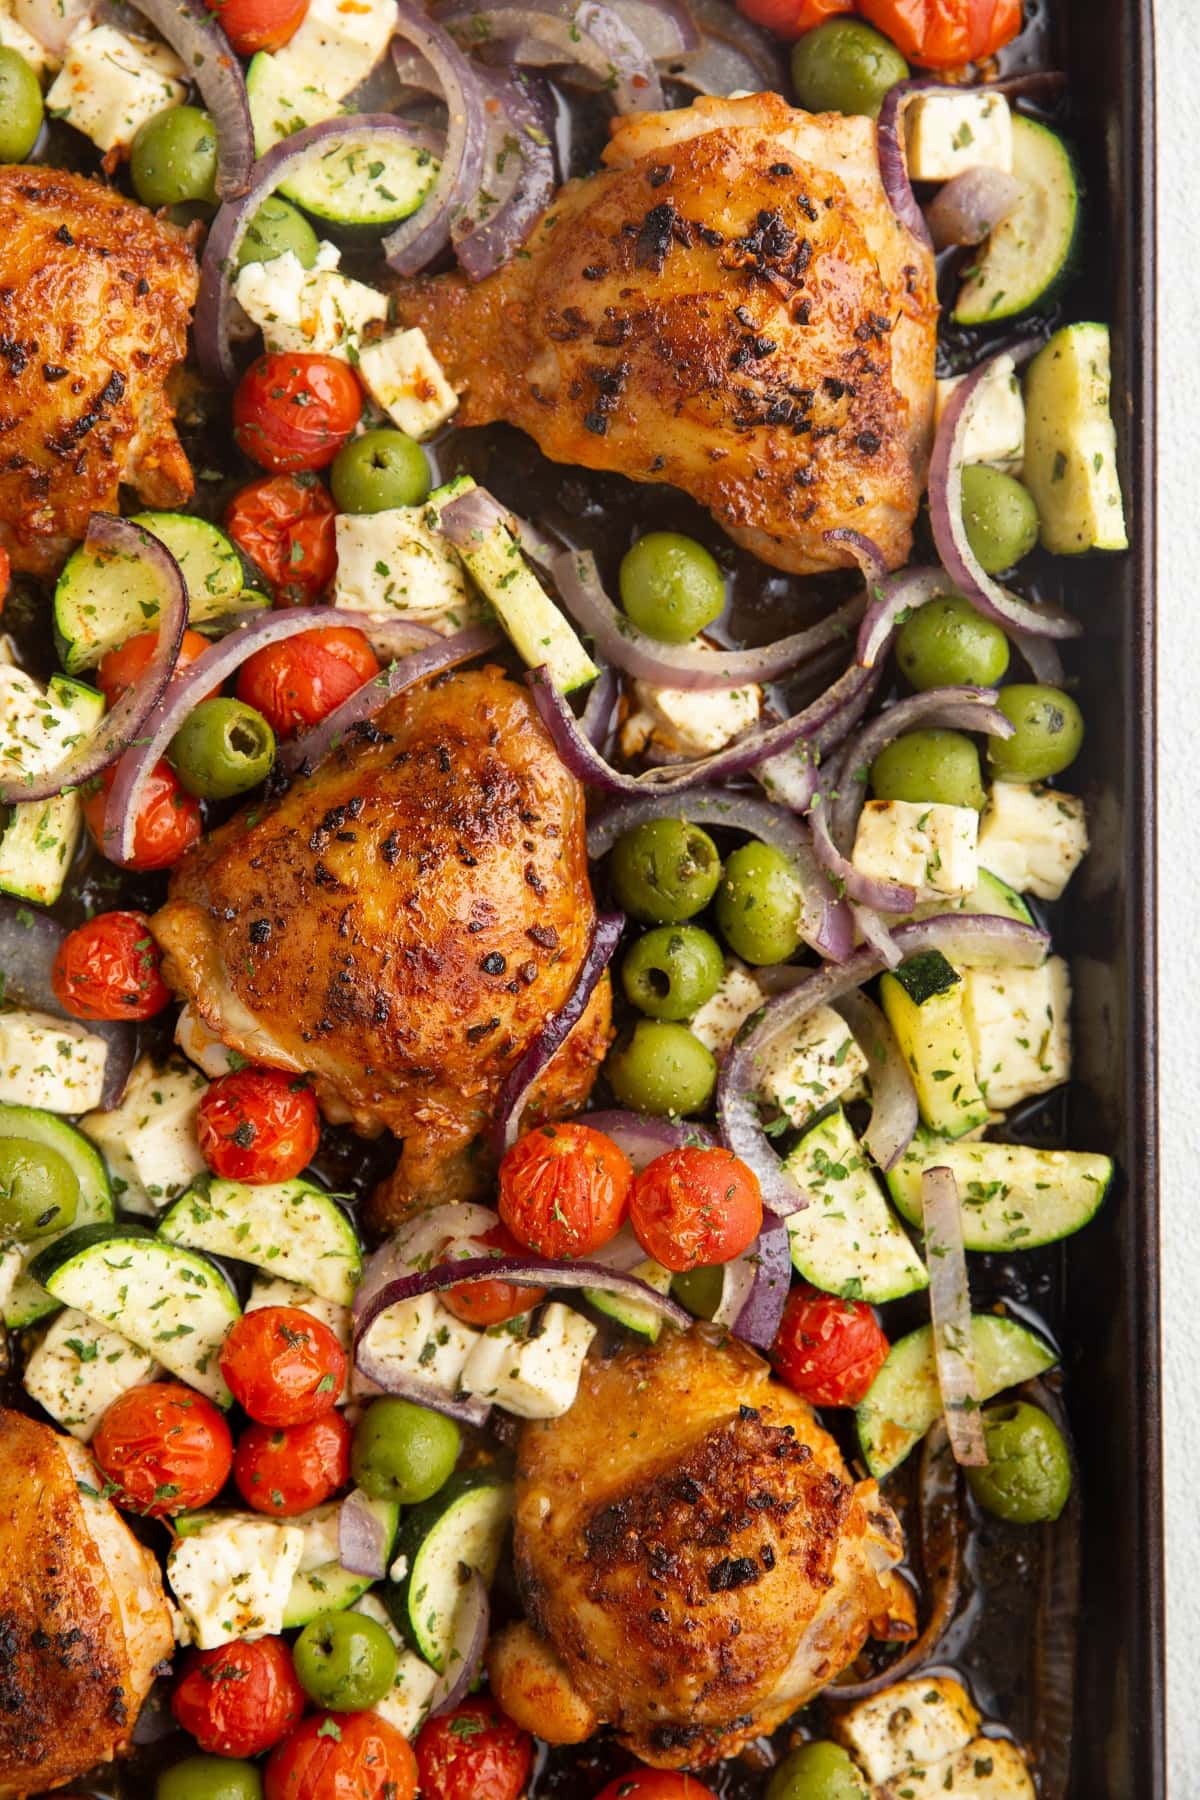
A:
(29, 943)
(894, 1111)
(756, 1283)
(378, 1377)
(642, 1138)
(460, 85)
(468, 1641)
(580, 34)
(865, 551)
(665, 28)
(531, 1065)
(595, 721)
(956, 935)
(971, 205)
(110, 537)
(192, 31)
(518, 174)
(1041, 655)
(735, 54)
(363, 1542)
(893, 600)
(284, 161)
(950, 1309)
(789, 780)
(875, 931)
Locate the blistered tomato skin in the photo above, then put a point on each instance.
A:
(283, 1366)
(355, 1756)
(485, 1303)
(564, 1190)
(110, 968)
(655, 1784)
(298, 683)
(164, 1448)
(122, 667)
(473, 1753)
(792, 18)
(295, 410)
(241, 1699)
(828, 1350)
(288, 1469)
(944, 34)
(169, 821)
(695, 1207)
(285, 525)
(252, 25)
(257, 1125)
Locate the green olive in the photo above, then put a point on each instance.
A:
(39, 1190)
(1027, 1476)
(818, 1771)
(345, 1661)
(209, 1778)
(21, 108)
(1000, 515)
(276, 228)
(662, 1068)
(931, 768)
(758, 904)
(672, 971)
(946, 643)
(699, 1290)
(1047, 738)
(845, 67)
(670, 586)
(379, 470)
(222, 748)
(403, 1452)
(664, 871)
(173, 159)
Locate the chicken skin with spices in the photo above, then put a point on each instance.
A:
(731, 306)
(400, 924)
(695, 1560)
(95, 299)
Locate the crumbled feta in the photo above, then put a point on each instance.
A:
(110, 84)
(537, 1377)
(79, 1368)
(719, 1020)
(396, 564)
(55, 1064)
(316, 309)
(405, 378)
(149, 1141)
(929, 848)
(232, 1577)
(909, 1723)
(687, 722)
(996, 432)
(423, 1340)
(946, 134)
(823, 1062)
(1033, 837)
(1019, 1024)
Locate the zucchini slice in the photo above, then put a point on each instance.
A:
(290, 1228)
(1030, 254)
(28, 1300)
(539, 631)
(37, 844)
(1014, 1197)
(1071, 443)
(847, 1240)
(462, 1527)
(632, 1314)
(923, 1000)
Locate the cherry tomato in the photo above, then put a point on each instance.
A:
(285, 525)
(694, 1207)
(258, 1125)
(289, 1469)
(473, 1753)
(295, 410)
(342, 1756)
(829, 1350)
(297, 683)
(564, 1189)
(252, 25)
(655, 1784)
(168, 821)
(125, 665)
(241, 1699)
(165, 1448)
(284, 1366)
(944, 34)
(110, 968)
(792, 18)
(491, 1302)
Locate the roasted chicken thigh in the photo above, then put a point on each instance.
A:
(731, 306)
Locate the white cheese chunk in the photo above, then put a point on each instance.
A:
(408, 1699)
(405, 378)
(996, 433)
(423, 1340)
(535, 1378)
(13, 1258)
(1019, 1024)
(110, 84)
(946, 134)
(985, 1769)
(719, 1020)
(909, 1723)
(822, 1063)
(320, 1528)
(335, 48)
(396, 564)
(1033, 837)
(930, 848)
(149, 1141)
(35, 734)
(56, 1064)
(232, 1577)
(79, 1368)
(317, 309)
(688, 722)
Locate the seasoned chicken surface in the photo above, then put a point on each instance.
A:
(731, 306)
(400, 925)
(83, 1620)
(692, 1551)
(95, 299)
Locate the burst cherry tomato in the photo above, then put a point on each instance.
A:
(241, 1699)
(473, 1753)
(943, 34)
(168, 822)
(792, 18)
(125, 665)
(295, 410)
(165, 1448)
(694, 1207)
(289, 1469)
(342, 1756)
(110, 968)
(258, 1125)
(486, 1303)
(655, 1784)
(285, 525)
(297, 683)
(564, 1189)
(252, 25)
(829, 1350)
(284, 1366)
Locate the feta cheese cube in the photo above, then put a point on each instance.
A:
(79, 1368)
(35, 733)
(822, 1063)
(909, 1723)
(232, 1579)
(945, 134)
(422, 1339)
(719, 1020)
(985, 1769)
(320, 1528)
(401, 373)
(315, 309)
(52, 1063)
(537, 1377)
(1033, 837)
(335, 48)
(149, 1141)
(396, 564)
(688, 722)
(1019, 1024)
(929, 848)
(996, 433)
(110, 84)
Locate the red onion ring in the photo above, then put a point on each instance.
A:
(1041, 654)
(460, 85)
(950, 1308)
(874, 931)
(29, 943)
(595, 721)
(970, 206)
(582, 34)
(363, 1544)
(665, 28)
(468, 1642)
(734, 54)
(895, 597)
(518, 174)
(531, 1065)
(643, 1138)
(202, 47)
(894, 1111)
(755, 1285)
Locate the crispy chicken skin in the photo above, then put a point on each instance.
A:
(731, 307)
(95, 299)
(83, 1620)
(692, 1551)
(400, 925)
